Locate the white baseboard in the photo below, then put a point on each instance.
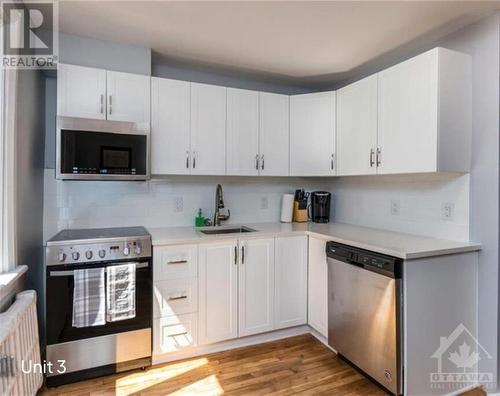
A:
(231, 344)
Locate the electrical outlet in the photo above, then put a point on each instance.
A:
(178, 204)
(448, 211)
(395, 207)
(264, 203)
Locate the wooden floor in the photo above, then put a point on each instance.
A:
(297, 365)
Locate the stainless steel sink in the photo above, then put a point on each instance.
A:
(228, 230)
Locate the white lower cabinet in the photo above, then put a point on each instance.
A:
(173, 333)
(290, 282)
(318, 286)
(240, 287)
(256, 286)
(218, 291)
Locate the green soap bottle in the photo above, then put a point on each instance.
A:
(199, 220)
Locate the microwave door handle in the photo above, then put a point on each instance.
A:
(71, 273)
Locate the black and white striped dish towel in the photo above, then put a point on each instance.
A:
(89, 298)
(120, 296)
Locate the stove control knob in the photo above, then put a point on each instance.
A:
(102, 253)
(126, 250)
(61, 256)
(88, 254)
(75, 255)
(138, 249)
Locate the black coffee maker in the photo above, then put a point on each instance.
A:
(320, 206)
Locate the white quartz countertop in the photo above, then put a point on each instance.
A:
(395, 244)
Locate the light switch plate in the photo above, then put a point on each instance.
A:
(178, 204)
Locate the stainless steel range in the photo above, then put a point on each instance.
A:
(108, 346)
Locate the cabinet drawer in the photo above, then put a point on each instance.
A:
(174, 262)
(175, 297)
(174, 333)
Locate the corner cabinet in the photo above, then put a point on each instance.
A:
(87, 92)
(312, 134)
(425, 114)
(290, 282)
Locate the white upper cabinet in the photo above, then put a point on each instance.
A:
(170, 126)
(218, 291)
(81, 92)
(256, 286)
(129, 97)
(208, 129)
(242, 151)
(87, 92)
(424, 117)
(290, 281)
(357, 128)
(274, 134)
(312, 134)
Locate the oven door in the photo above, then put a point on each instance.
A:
(101, 150)
(60, 284)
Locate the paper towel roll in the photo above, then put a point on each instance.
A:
(287, 208)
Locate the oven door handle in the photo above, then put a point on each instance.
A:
(71, 273)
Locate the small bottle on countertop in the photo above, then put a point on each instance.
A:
(199, 220)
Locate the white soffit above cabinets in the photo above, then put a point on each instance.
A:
(299, 40)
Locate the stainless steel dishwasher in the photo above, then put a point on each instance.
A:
(364, 312)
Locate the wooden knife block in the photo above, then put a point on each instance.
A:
(299, 215)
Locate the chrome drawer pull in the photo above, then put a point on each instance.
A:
(177, 262)
(177, 298)
(178, 334)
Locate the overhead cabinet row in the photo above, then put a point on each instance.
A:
(414, 117)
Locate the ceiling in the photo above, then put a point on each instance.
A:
(292, 39)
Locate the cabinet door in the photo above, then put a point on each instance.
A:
(274, 134)
(312, 134)
(256, 286)
(242, 132)
(357, 128)
(170, 126)
(129, 97)
(208, 129)
(318, 286)
(81, 92)
(407, 116)
(218, 291)
(291, 282)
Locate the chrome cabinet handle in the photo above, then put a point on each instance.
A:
(110, 104)
(372, 162)
(102, 103)
(178, 334)
(331, 162)
(379, 156)
(177, 298)
(256, 161)
(243, 255)
(235, 255)
(262, 162)
(187, 159)
(177, 262)
(194, 159)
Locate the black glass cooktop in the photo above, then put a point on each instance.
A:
(98, 233)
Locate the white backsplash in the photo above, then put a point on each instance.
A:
(156, 203)
(174, 201)
(366, 200)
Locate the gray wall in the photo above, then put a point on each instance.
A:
(482, 41)
(90, 52)
(29, 179)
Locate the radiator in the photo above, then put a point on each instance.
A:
(19, 343)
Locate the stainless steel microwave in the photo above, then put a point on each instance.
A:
(89, 149)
